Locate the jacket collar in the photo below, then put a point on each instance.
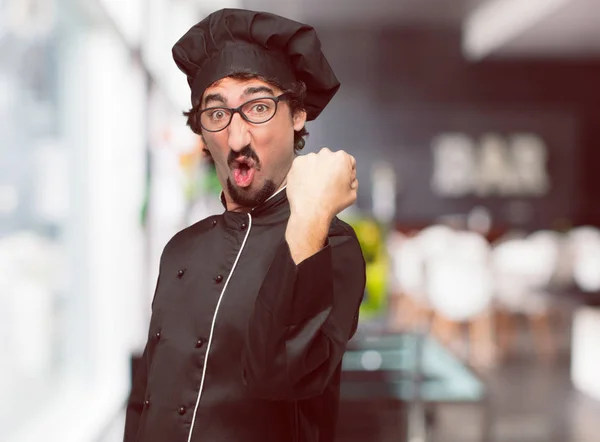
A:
(274, 210)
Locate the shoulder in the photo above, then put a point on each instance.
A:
(189, 236)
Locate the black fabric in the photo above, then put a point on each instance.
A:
(272, 369)
(233, 41)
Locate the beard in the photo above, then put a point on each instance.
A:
(248, 198)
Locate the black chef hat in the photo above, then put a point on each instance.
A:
(233, 41)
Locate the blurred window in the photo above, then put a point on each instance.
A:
(69, 198)
(41, 325)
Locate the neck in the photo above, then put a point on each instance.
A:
(232, 206)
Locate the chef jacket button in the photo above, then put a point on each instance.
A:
(219, 278)
(182, 410)
(214, 222)
(180, 273)
(244, 226)
(199, 343)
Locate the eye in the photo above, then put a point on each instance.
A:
(217, 114)
(260, 108)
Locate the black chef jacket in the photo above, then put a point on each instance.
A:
(243, 345)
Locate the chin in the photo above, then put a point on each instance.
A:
(253, 195)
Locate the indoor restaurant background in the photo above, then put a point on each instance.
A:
(476, 127)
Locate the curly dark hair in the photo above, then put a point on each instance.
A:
(296, 94)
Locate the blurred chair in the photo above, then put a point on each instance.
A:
(408, 263)
(523, 270)
(410, 307)
(393, 243)
(584, 246)
(586, 266)
(435, 239)
(585, 358)
(582, 234)
(558, 245)
(460, 292)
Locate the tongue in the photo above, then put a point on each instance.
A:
(243, 176)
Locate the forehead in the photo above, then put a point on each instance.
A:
(232, 88)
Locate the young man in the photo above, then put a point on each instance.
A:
(253, 307)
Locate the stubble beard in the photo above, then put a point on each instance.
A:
(248, 198)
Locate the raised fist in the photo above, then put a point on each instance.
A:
(322, 184)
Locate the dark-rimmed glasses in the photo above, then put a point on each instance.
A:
(255, 111)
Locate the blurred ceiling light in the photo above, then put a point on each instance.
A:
(496, 22)
(31, 19)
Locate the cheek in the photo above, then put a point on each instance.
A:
(217, 148)
(219, 154)
(280, 156)
(275, 148)
(279, 136)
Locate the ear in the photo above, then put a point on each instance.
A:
(205, 153)
(299, 119)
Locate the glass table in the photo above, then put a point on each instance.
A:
(386, 369)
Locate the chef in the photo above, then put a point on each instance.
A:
(254, 307)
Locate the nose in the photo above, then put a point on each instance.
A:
(239, 136)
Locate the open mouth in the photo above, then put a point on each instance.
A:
(243, 172)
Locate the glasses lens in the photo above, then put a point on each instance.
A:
(260, 110)
(215, 119)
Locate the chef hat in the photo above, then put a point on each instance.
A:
(232, 41)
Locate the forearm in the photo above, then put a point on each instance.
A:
(306, 234)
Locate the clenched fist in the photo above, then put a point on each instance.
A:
(321, 185)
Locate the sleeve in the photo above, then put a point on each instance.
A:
(302, 320)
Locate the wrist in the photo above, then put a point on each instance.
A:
(306, 234)
(311, 218)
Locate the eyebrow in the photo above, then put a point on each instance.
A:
(252, 90)
(214, 97)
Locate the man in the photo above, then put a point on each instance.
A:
(253, 308)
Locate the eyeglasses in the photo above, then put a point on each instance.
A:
(255, 111)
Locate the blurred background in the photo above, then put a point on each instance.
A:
(475, 124)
